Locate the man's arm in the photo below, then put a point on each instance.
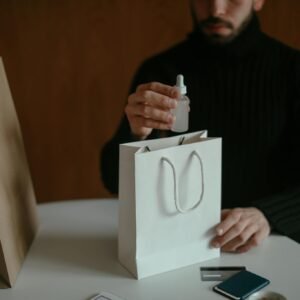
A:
(283, 209)
(243, 228)
(147, 110)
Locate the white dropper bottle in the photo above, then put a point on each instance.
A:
(181, 112)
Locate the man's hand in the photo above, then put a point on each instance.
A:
(241, 229)
(150, 108)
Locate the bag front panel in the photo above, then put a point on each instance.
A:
(164, 236)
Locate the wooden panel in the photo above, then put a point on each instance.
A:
(281, 19)
(70, 63)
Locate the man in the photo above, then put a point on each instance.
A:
(244, 87)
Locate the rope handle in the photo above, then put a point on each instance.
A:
(177, 202)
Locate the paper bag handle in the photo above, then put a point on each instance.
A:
(177, 203)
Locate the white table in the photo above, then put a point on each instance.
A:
(75, 256)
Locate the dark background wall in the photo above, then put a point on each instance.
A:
(69, 64)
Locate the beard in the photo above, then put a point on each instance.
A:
(219, 39)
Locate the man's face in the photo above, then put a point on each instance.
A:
(222, 20)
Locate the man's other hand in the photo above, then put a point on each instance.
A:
(241, 229)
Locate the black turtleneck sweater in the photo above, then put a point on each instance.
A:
(248, 93)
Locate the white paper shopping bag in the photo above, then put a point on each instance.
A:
(170, 202)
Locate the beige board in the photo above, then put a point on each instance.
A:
(18, 216)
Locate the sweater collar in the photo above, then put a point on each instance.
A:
(246, 43)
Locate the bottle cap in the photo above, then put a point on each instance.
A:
(180, 84)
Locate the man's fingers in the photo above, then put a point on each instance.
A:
(149, 112)
(240, 239)
(230, 219)
(254, 241)
(229, 235)
(150, 107)
(224, 213)
(150, 98)
(159, 88)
